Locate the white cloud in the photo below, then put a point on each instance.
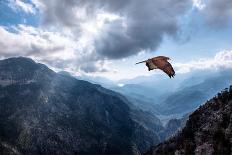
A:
(29, 41)
(115, 29)
(20, 5)
(199, 4)
(59, 51)
(222, 59)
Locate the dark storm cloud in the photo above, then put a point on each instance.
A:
(92, 67)
(218, 12)
(141, 27)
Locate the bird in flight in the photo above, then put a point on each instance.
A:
(160, 62)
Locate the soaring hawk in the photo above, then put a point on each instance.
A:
(160, 62)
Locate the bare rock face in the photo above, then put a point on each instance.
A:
(42, 112)
(208, 130)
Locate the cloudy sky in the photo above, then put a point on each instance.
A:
(107, 37)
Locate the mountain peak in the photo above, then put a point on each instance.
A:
(23, 62)
(22, 70)
(20, 58)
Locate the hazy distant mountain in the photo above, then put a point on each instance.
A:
(208, 130)
(189, 98)
(106, 83)
(141, 96)
(162, 79)
(42, 112)
(183, 94)
(145, 92)
(152, 87)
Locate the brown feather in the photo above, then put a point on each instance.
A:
(163, 64)
(161, 58)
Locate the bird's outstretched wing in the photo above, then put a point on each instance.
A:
(141, 62)
(165, 66)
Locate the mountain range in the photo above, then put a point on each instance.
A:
(43, 112)
(173, 98)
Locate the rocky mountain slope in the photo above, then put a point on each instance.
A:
(208, 130)
(42, 112)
